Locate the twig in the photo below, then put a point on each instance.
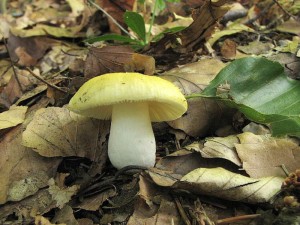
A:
(13, 67)
(110, 17)
(44, 81)
(237, 218)
(182, 212)
(286, 12)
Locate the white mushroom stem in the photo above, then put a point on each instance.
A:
(131, 140)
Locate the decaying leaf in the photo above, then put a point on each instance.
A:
(58, 132)
(37, 204)
(221, 183)
(65, 216)
(264, 155)
(14, 116)
(117, 59)
(61, 195)
(23, 171)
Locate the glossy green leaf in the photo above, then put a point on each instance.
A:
(136, 23)
(261, 90)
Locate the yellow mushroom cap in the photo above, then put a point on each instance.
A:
(97, 96)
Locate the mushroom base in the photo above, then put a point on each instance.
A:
(131, 140)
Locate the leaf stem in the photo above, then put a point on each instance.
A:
(151, 22)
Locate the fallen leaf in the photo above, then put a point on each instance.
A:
(14, 116)
(23, 171)
(290, 26)
(40, 220)
(264, 155)
(27, 51)
(58, 132)
(37, 204)
(233, 28)
(94, 202)
(116, 59)
(65, 216)
(218, 147)
(203, 115)
(204, 22)
(221, 183)
(61, 195)
(256, 48)
(228, 49)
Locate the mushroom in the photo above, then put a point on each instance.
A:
(131, 101)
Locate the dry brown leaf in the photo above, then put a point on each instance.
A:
(220, 183)
(203, 115)
(22, 170)
(116, 59)
(166, 214)
(152, 206)
(94, 202)
(228, 49)
(27, 51)
(65, 216)
(58, 132)
(264, 156)
(204, 22)
(14, 116)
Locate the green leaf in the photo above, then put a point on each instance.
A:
(261, 90)
(137, 24)
(112, 37)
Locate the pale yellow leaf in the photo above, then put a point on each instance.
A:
(14, 116)
(58, 132)
(61, 195)
(224, 184)
(40, 220)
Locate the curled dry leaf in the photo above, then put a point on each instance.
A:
(14, 116)
(221, 183)
(58, 132)
(265, 155)
(218, 147)
(23, 172)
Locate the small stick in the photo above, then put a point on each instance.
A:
(110, 17)
(13, 67)
(182, 212)
(44, 81)
(237, 218)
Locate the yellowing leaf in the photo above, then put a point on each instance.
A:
(40, 220)
(14, 116)
(233, 28)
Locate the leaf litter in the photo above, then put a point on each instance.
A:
(54, 163)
